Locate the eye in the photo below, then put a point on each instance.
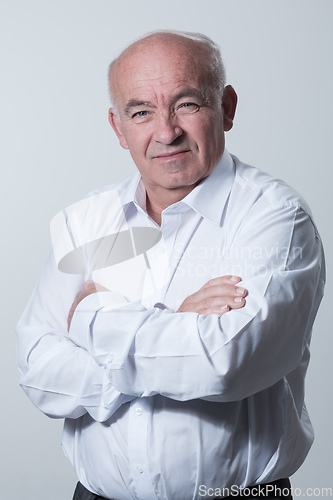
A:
(188, 107)
(140, 114)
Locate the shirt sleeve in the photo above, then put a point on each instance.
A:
(183, 356)
(62, 379)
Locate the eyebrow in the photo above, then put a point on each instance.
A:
(187, 92)
(136, 103)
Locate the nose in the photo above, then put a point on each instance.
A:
(166, 129)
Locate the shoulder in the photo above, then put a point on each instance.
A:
(106, 198)
(100, 212)
(259, 190)
(122, 188)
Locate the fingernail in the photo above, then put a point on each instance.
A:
(234, 279)
(238, 299)
(224, 307)
(240, 290)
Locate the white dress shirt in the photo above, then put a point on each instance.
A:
(164, 405)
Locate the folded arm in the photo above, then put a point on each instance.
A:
(60, 378)
(186, 355)
(63, 379)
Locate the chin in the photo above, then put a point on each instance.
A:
(182, 186)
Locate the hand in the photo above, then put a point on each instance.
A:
(217, 296)
(89, 288)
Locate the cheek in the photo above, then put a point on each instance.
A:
(204, 138)
(200, 129)
(138, 142)
(212, 135)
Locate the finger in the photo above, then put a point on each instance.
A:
(215, 296)
(215, 310)
(223, 310)
(229, 290)
(237, 303)
(219, 291)
(223, 280)
(217, 304)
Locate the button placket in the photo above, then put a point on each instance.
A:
(137, 447)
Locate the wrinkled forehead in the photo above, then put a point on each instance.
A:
(157, 61)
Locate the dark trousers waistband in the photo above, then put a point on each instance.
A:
(81, 493)
(280, 489)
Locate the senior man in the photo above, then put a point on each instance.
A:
(190, 293)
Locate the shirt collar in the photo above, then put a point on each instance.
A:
(133, 191)
(208, 199)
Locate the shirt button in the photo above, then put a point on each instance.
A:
(139, 469)
(138, 411)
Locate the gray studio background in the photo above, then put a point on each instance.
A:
(56, 145)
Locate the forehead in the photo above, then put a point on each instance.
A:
(157, 68)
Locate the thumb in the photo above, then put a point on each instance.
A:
(90, 286)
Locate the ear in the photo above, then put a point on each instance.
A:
(116, 125)
(229, 103)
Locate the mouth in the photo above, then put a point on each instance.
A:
(172, 155)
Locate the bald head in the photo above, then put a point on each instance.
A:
(204, 53)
